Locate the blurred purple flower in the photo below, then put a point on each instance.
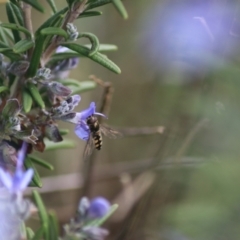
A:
(95, 233)
(82, 129)
(59, 89)
(61, 70)
(98, 208)
(20, 180)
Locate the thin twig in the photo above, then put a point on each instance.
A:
(28, 23)
(104, 108)
(71, 16)
(107, 94)
(189, 138)
(113, 171)
(140, 131)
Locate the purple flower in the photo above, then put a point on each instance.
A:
(61, 70)
(82, 129)
(98, 208)
(59, 89)
(20, 179)
(94, 233)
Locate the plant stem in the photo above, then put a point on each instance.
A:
(28, 23)
(71, 16)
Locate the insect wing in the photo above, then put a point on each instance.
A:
(109, 132)
(89, 147)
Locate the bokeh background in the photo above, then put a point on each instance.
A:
(180, 70)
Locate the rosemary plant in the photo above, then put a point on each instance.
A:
(35, 94)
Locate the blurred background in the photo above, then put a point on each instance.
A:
(180, 70)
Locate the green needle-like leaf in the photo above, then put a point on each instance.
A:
(11, 55)
(18, 13)
(37, 53)
(97, 4)
(104, 47)
(4, 89)
(9, 52)
(63, 131)
(39, 233)
(53, 226)
(11, 19)
(41, 162)
(35, 94)
(98, 57)
(94, 41)
(23, 46)
(56, 23)
(52, 5)
(3, 36)
(70, 82)
(90, 14)
(6, 36)
(3, 45)
(59, 145)
(42, 212)
(17, 28)
(36, 178)
(83, 87)
(35, 4)
(23, 230)
(2, 50)
(54, 31)
(30, 233)
(27, 101)
(79, 87)
(120, 8)
(62, 56)
(100, 221)
(52, 19)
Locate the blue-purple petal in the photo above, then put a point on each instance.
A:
(6, 179)
(21, 154)
(100, 114)
(76, 99)
(25, 180)
(89, 111)
(73, 62)
(98, 208)
(61, 49)
(82, 131)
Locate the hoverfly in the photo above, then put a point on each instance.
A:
(95, 136)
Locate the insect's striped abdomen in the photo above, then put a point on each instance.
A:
(97, 137)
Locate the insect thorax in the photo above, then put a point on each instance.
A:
(93, 124)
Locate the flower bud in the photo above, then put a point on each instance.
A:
(52, 132)
(83, 206)
(18, 68)
(43, 73)
(98, 208)
(59, 89)
(72, 32)
(68, 117)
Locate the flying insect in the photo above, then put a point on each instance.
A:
(95, 136)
